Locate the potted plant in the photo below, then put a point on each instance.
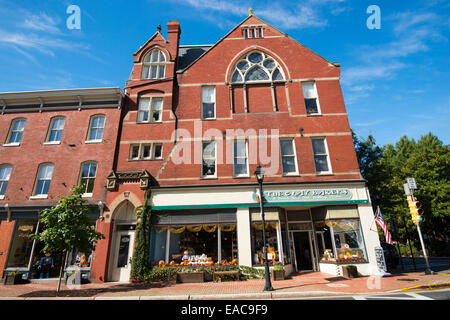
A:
(278, 272)
(13, 277)
(349, 271)
(191, 275)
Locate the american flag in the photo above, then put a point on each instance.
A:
(379, 219)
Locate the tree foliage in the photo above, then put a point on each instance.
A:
(67, 226)
(386, 169)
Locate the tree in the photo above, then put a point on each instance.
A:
(67, 227)
(141, 257)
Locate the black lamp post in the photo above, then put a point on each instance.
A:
(259, 173)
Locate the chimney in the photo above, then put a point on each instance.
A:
(173, 32)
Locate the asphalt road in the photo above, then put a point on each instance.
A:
(443, 294)
(441, 265)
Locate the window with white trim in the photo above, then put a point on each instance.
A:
(96, 126)
(253, 32)
(288, 156)
(208, 102)
(321, 159)
(240, 162)
(310, 97)
(146, 151)
(55, 130)
(256, 66)
(209, 166)
(16, 131)
(87, 177)
(154, 65)
(150, 110)
(43, 179)
(5, 174)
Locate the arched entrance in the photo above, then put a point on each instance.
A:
(124, 226)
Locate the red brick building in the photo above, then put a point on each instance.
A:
(198, 120)
(49, 142)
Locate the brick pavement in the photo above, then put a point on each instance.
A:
(306, 283)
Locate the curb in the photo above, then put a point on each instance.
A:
(435, 286)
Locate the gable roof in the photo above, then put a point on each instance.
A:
(149, 40)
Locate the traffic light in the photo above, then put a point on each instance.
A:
(415, 207)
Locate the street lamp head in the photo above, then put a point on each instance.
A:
(259, 173)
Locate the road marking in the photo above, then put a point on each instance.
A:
(418, 296)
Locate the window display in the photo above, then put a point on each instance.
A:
(273, 254)
(194, 245)
(19, 256)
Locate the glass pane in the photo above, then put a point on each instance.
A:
(240, 148)
(311, 106)
(242, 65)
(134, 152)
(99, 121)
(124, 246)
(21, 244)
(90, 185)
(156, 103)
(318, 146)
(46, 171)
(92, 169)
(228, 244)
(348, 241)
(256, 74)
(255, 57)
(156, 116)
(208, 94)
(209, 149)
(208, 110)
(154, 70)
(288, 164)
(85, 170)
(236, 77)
(18, 125)
(277, 75)
(321, 163)
(286, 147)
(15, 137)
(146, 151)
(308, 90)
(3, 185)
(143, 116)
(144, 104)
(269, 64)
(145, 72)
(161, 72)
(155, 54)
(5, 172)
(258, 244)
(158, 151)
(240, 166)
(42, 187)
(58, 124)
(162, 58)
(209, 168)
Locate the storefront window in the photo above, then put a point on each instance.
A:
(273, 253)
(323, 233)
(194, 245)
(348, 241)
(19, 256)
(285, 239)
(80, 259)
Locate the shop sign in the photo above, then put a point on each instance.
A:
(307, 195)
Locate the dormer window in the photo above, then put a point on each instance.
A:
(154, 65)
(253, 32)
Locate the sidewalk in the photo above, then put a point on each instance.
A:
(314, 284)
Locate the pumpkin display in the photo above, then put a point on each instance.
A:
(161, 263)
(234, 261)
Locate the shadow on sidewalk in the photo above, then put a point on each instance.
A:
(90, 292)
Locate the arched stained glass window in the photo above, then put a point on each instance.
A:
(256, 66)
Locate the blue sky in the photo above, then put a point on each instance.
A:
(395, 80)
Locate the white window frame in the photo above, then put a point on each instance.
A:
(5, 179)
(11, 131)
(158, 64)
(91, 120)
(245, 175)
(327, 154)
(319, 112)
(289, 155)
(140, 147)
(51, 129)
(150, 110)
(87, 194)
(215, 160)
(208, 102)
(36, 195)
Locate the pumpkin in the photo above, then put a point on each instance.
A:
(161, 263)
(234, 261)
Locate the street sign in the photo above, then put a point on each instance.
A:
(407, 190)
(379, 254)
(411, 183)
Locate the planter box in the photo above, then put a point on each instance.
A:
(277, 275)
(190, 277)
(13, 279)
(349, 272)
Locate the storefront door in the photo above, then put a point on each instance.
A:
(123, 252)
(303, 250)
